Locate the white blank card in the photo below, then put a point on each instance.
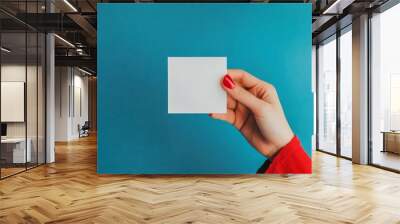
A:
(194, 85)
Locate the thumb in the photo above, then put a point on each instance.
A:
(242, 95)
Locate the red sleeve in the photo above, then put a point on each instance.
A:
(291, 159)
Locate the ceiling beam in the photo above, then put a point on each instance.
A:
(81, 61)
(84, 24)
(337, 6)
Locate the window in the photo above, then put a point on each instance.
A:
(327, 95)
(346, 92)
(22, 78)
(335, 137)
(385, 89)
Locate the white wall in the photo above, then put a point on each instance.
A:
(9, 73)
(80, 105)
(62, 82)
(16, 72)
(71, 102)
(33, 127)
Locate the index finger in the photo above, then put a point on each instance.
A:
(244, 78)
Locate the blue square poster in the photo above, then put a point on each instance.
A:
(137, 135)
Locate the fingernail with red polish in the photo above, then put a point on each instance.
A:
(228, 82)
(210, 115)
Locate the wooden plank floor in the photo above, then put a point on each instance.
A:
(70, 191)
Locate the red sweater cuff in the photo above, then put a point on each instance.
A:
(291, 159)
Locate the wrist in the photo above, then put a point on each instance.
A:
(282, 142)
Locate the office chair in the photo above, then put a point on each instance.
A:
(84, 130)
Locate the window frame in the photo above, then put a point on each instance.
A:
(338, 34)
(27, 29)
(381, 9)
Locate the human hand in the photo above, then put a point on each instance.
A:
(255, 110)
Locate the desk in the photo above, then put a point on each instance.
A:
(15, 148)
(391, 141)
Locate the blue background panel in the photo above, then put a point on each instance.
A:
(136, 135)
